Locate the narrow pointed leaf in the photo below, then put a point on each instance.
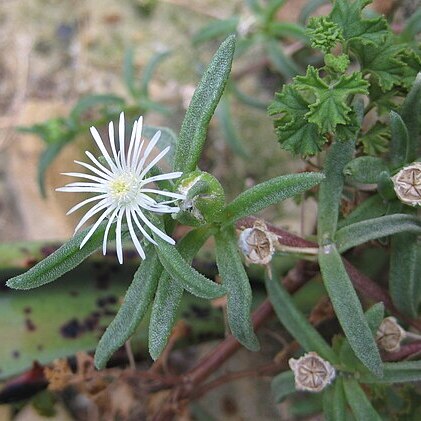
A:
(67, 257)
(169, 294)
(399, 372)
(330, 191)
(218, 28)
(280, 61)
(283, 385)
(359, 402)
(202, 106)
(402, 275)
(365, 169)
(334, 404)
(399, 143)
(361, 232)
(237, 284)
(182, 272)
(348, 309)
(296, 324)
(136, 302)
(268, 193)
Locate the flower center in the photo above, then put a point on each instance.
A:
(124, 188)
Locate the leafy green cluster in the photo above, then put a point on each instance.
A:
(388, 67)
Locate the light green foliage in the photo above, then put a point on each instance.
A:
(324, 34)
(337, 64)
(334, 403)
(365, 169)
(375, 141)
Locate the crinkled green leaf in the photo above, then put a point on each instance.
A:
(376, 140)
(295, 322)
(136, 302)
(361, 232)
(169, 294)
(348, 15)
(294, 132)
(412, 65)
(202, 106)
(182, 272)
(283, 385)
(330, 191)
(236, 282)
(330, 107)
(324, 33)
(67, 257)
(359, 402)
(402, 274)
(268, 193)
(348, 309)
(381, 61)
(334, 404)
(365, 169)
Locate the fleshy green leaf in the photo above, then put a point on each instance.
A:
(182, 272)
(294, 132)
(296, 324)
(268, 193)
(149, 70)
(46, 158)
(399, 372)
(202, 106)
(381, 62)
(330, 191)
(361, 232)
(348, 309)
(411, 115)
(170, 293)
(237, 284)
(331, 99)
(67, 257)
(402, 275)
(365, 169)
(334, 404)
(399, 142)
(359, 402)
(348, 15)
(136, 302)
(283, 385)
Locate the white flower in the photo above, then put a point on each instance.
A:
(121, 188)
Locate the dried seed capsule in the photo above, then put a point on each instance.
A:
(407, 184)
(257, 244)
(390, 335)
(311, 372)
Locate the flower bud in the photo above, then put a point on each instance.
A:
(257, 243)
(311, 372)
(204, 201)
(407, 184)
(390, 335)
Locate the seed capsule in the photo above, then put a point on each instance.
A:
(312, 373)
(390, 335)
(407, 184)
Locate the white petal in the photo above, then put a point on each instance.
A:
(154, 228)
(154, 161)
(102, 148)
(133, 235)
(131, 145)
(148, 150)
(86, 184)
(87, 176)
(93, 169)
(68, 189)
(121, 127)
(95, 226)
(118, 237)
(142, 230)
(85, 202)
(168, 176)
(138, 143)
(112, 143)
(98, 164)
(91, 212)
(164, 193)
(107, 229)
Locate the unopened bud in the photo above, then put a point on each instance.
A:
(390, 335)
(257, 243)
(311, 372)
(204, 201)
(407, 184)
